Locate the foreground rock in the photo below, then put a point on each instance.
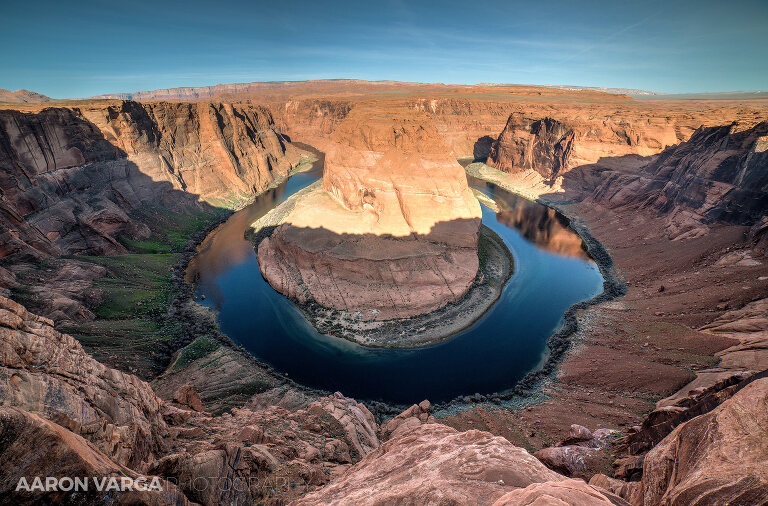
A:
(435, 464)
(110, 423)
(717, 458)
(60, 454)
(580, 454)
(393, 232)
(566, 492)
(47, 372)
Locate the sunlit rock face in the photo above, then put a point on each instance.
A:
(393, 231)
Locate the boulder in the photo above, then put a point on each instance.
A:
(560, 493)
(186, 396)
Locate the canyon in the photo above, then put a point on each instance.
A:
(675, 192)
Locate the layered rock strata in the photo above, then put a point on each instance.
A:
(717, 458)
(393, 231)
(72, 177)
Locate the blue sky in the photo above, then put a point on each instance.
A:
(95, 47)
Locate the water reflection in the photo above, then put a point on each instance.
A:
(542, 225)
(226, 247)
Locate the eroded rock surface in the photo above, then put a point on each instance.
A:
(544, 145)
(717, 458)
(392, 233)
(435, 464)
(561, 493)
(58, 453)
(72, 177)
(102, 422)
(717, 176)
(580, 453)
(47, 372)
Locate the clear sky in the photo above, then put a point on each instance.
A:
(68, 49)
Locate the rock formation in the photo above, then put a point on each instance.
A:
(435, 464)
(72, 177)
(47, 372)
(566, 492)
(392, 233)
(58, 453)
(578, 455)
(62, 413)
(718, 176)
(717, 458)
(544, 145)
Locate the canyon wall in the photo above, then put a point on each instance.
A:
(717, 177)
(470, 119)
(72, 176)
(392, 233)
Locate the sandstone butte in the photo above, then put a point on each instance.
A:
(393, 231)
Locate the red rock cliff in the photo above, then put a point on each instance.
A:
(393, 231)
(71, 176)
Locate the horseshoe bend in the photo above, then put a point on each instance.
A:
(348, 291)
(392, 233)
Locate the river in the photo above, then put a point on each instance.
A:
(551, 273)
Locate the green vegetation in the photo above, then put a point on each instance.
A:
(135, 286)
(199, 348)
(170, 230)
(129, 330)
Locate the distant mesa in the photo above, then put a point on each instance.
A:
(22, 97)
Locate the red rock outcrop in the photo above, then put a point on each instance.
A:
(579, 454)
(717, 458)
(392, 233)
(566, 492)
(544, 145)
(717, 176)
(47, 372)
(435, 464)
(59, 405)
(62, 455)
